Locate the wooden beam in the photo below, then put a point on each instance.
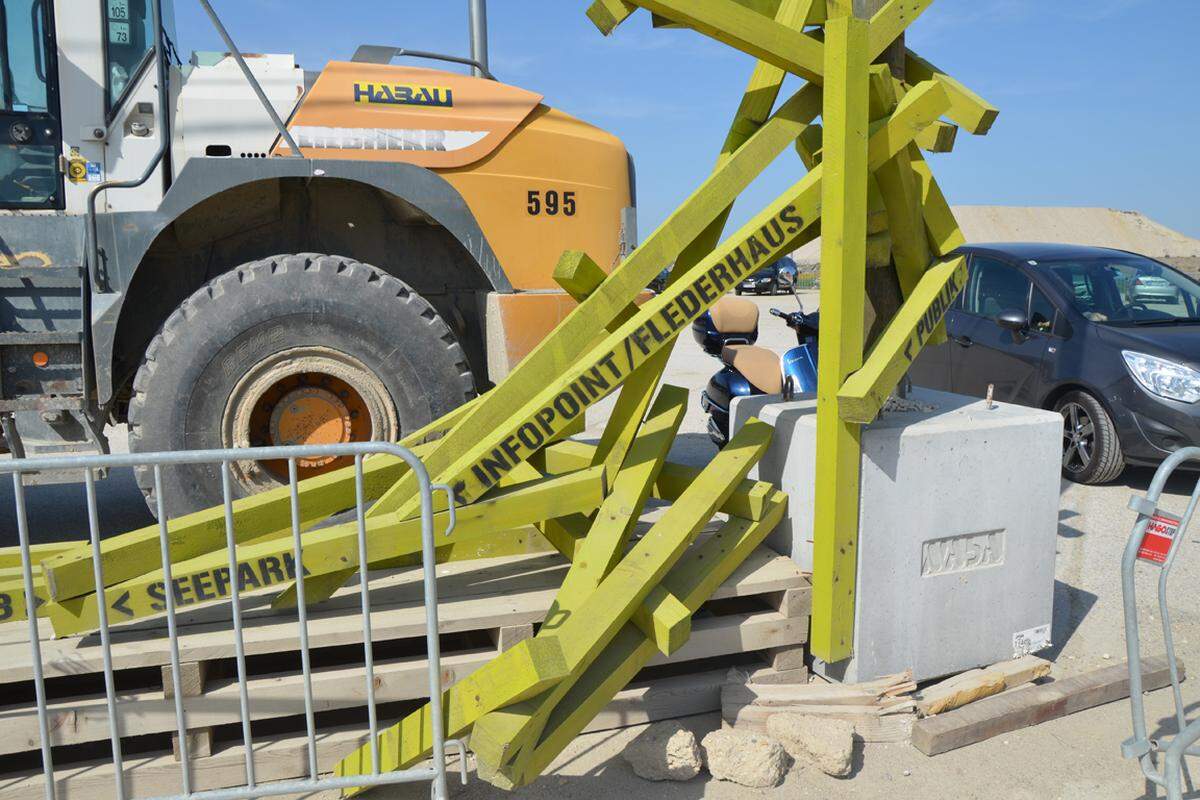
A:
(528, 669)
(747, 30)
(843, 280)
(581, 633)
(585, 624)
(754, 109)
(128, 555)
(272, 563)
(889, 22)
(691, 580)
(614, 521)
(940, 225)
(938, 137)
(556, 354)
(967, 109)
(583, 382)
(864, 392)
(606, 15)
(1032, 705)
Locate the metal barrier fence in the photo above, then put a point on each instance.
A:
(1156, 539)
(436, 773)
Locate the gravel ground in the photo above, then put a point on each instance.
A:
(1075, 757)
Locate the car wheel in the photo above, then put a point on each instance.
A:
(1091, 449)
(738, 292)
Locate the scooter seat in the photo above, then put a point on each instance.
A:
(761, 366)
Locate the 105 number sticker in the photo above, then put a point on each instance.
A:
(550, 203)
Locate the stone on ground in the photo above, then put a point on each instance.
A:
(745, 758)
(666, 751)
(826, 743)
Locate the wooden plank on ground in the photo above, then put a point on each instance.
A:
(976, 684)
(1032, 705)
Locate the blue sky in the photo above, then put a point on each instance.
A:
(1099, 104)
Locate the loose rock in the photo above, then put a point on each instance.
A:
(826, 743)
(666, 751)
(745, 758)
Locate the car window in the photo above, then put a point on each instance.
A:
(994, 286)
(1126, 289)
(1041, 312)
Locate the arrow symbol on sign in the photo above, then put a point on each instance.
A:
(122, 604)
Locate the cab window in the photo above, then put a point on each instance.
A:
(128, 40)
(994, 286)
(23, 60)
(28, 107)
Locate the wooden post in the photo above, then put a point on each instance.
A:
(192, 675)
(843, 282)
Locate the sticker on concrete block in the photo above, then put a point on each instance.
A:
(1156, 541)
(1031, 640)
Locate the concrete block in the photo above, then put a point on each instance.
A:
(957, 529)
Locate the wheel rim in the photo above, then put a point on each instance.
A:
(1079, 438)
(305, 396)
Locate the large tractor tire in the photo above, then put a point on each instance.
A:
(290, 350)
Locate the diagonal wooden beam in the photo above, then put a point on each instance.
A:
(760, 241)
(524, 671)
(497, 737)
(891, 21)
(967, 109)
(583, 632)
(747, 30)
(864, 392)
(692, 580)
(561, 351)
(618, 514)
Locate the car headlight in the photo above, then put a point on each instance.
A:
(1164, 378)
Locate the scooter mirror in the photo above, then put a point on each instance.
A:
(796, 295)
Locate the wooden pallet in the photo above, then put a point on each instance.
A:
(483, 606)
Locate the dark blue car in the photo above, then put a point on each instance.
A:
(1109, 339)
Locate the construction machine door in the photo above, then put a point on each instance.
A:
(30, 127)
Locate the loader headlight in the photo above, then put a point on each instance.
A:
(1164, 378)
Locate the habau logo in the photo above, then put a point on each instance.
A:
(403, 95)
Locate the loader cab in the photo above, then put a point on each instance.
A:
(30, 120)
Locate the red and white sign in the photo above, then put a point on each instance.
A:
(1156, 542)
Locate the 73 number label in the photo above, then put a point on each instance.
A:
(550, 203)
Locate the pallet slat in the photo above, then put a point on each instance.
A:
(527, 585)
(468, 600)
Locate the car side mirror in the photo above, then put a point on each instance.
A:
(1013, 320)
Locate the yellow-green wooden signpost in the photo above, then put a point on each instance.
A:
(867, 192)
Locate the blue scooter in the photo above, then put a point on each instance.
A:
(728, 332)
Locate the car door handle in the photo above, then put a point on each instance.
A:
(962, 341)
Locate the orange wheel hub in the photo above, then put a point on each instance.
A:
(309, 409)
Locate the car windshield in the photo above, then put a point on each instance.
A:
(1127, 290)
(765, 272)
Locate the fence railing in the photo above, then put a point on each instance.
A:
(435, 773)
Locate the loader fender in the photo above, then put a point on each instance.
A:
(127, 237)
